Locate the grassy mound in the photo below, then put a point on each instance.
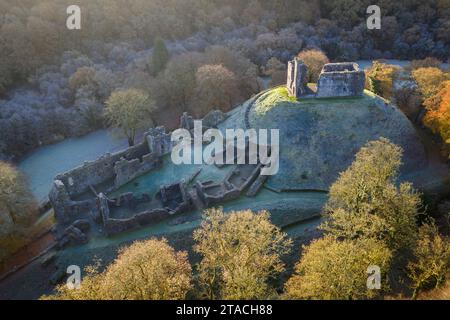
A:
(319, 137)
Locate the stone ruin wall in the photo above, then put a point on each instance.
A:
(297, 77)
(127, 170)
(115, 226)
(72, 195)
(110, 171)
(66, 209)
(167, 194)
(341, 80)
(92, 173)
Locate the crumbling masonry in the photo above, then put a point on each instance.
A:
(343, 79)
(80, 196)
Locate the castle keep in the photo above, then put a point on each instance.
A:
(343, 79)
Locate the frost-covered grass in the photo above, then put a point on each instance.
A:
(319, 136)
(273, 98)
(279, 97)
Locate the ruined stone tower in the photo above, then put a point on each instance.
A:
(296, 78)
(343, 79)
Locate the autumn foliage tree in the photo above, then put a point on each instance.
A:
(380, 79)
(437, 117)
(337, 269)
(17, 208)
(314, 60)
(216, 88)
(366, 202)
(128, 111)
(146, 270)
(241, 251)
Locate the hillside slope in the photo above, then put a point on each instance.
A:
(319, 137)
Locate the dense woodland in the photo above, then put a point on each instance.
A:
(54, 81)
(154, 59)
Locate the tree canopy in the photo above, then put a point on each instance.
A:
(146, 270)
(365, 201)
(338, 270)
(314, 60)
(129, 110)
(241, 251)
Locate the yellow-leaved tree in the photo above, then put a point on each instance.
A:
(241, 251)
(331, 269)
(431, 260)
(146, 270)
(17, 209)
(130, 110)
(365, 201)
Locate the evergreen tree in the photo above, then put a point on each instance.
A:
(160, 56)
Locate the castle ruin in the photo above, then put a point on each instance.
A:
(84, 202)
(297, 78)
(343, 79)
(84, 199)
